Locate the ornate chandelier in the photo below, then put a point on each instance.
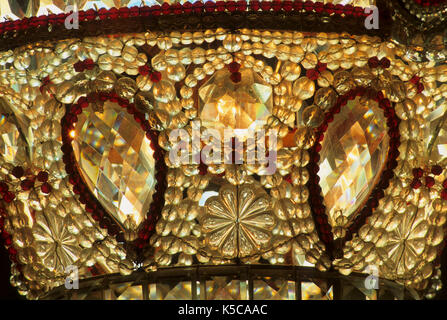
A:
(325, 122)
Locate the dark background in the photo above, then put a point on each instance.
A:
(10, 293)
(6, 290)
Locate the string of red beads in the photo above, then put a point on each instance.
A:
(234, 68)
(81, 66)
(145, 70)
(197, 7)
(7, 238)
(419, 173)
(314, 74)
(374, 63)
(8, 196)
(430, 3)
(316, 200)
(90, 203)
(417, 82)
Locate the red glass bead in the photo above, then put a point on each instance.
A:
(89, 64)
(343, 100)
(429, 182)
(18, 172)
(309, 6)
(321, 67)
(187, 7)
(236, 77)
(420, 87)
(385, 63)
(329, 117)
(373, 62)
(416, 183)
(139, 117)
(197, 6)
(276, 5)
(166, 8)
(348, 9)
(12, 251)
(265, 5)
(124, 12)
(444, 194)
(210, 6)
(113, 13)
(339, 9)
(8, 241)
(415, 79)
(134, 11)
(234, 67)
(325, 238)
(145, 125)
(155, 76)
(287, 5)
(3, 187)
(231, 6)
(8, 196)
(312, 74)
(177, 8)
(319, 7)
(27, 184)
(385, 103)
(220, 6)
(436, 170)
(359, 12)
(323, 127)
(254, 5)
(156, 10)
(79, 66)
(329, 8)
(145, 11)
(46, 188)
(298, 4)
(42, 176)
(144, 70)
(418, 172)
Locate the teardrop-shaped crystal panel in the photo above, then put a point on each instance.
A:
(13, 144)
(435, 137)
(353, 154)
(116, 161)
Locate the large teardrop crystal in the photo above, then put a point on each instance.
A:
(352, 157)
(13, 144)
(436, 134)
(116, 161)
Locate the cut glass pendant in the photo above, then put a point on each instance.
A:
(13, 144)
(352, 157)
(436, 134)
(116, 161)
(239, 106)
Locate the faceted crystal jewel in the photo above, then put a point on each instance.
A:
(225, 104)
(116, 161)
(353, 153)
(436, 134)
(13, 144)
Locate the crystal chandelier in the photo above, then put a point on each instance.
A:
(99, 98)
